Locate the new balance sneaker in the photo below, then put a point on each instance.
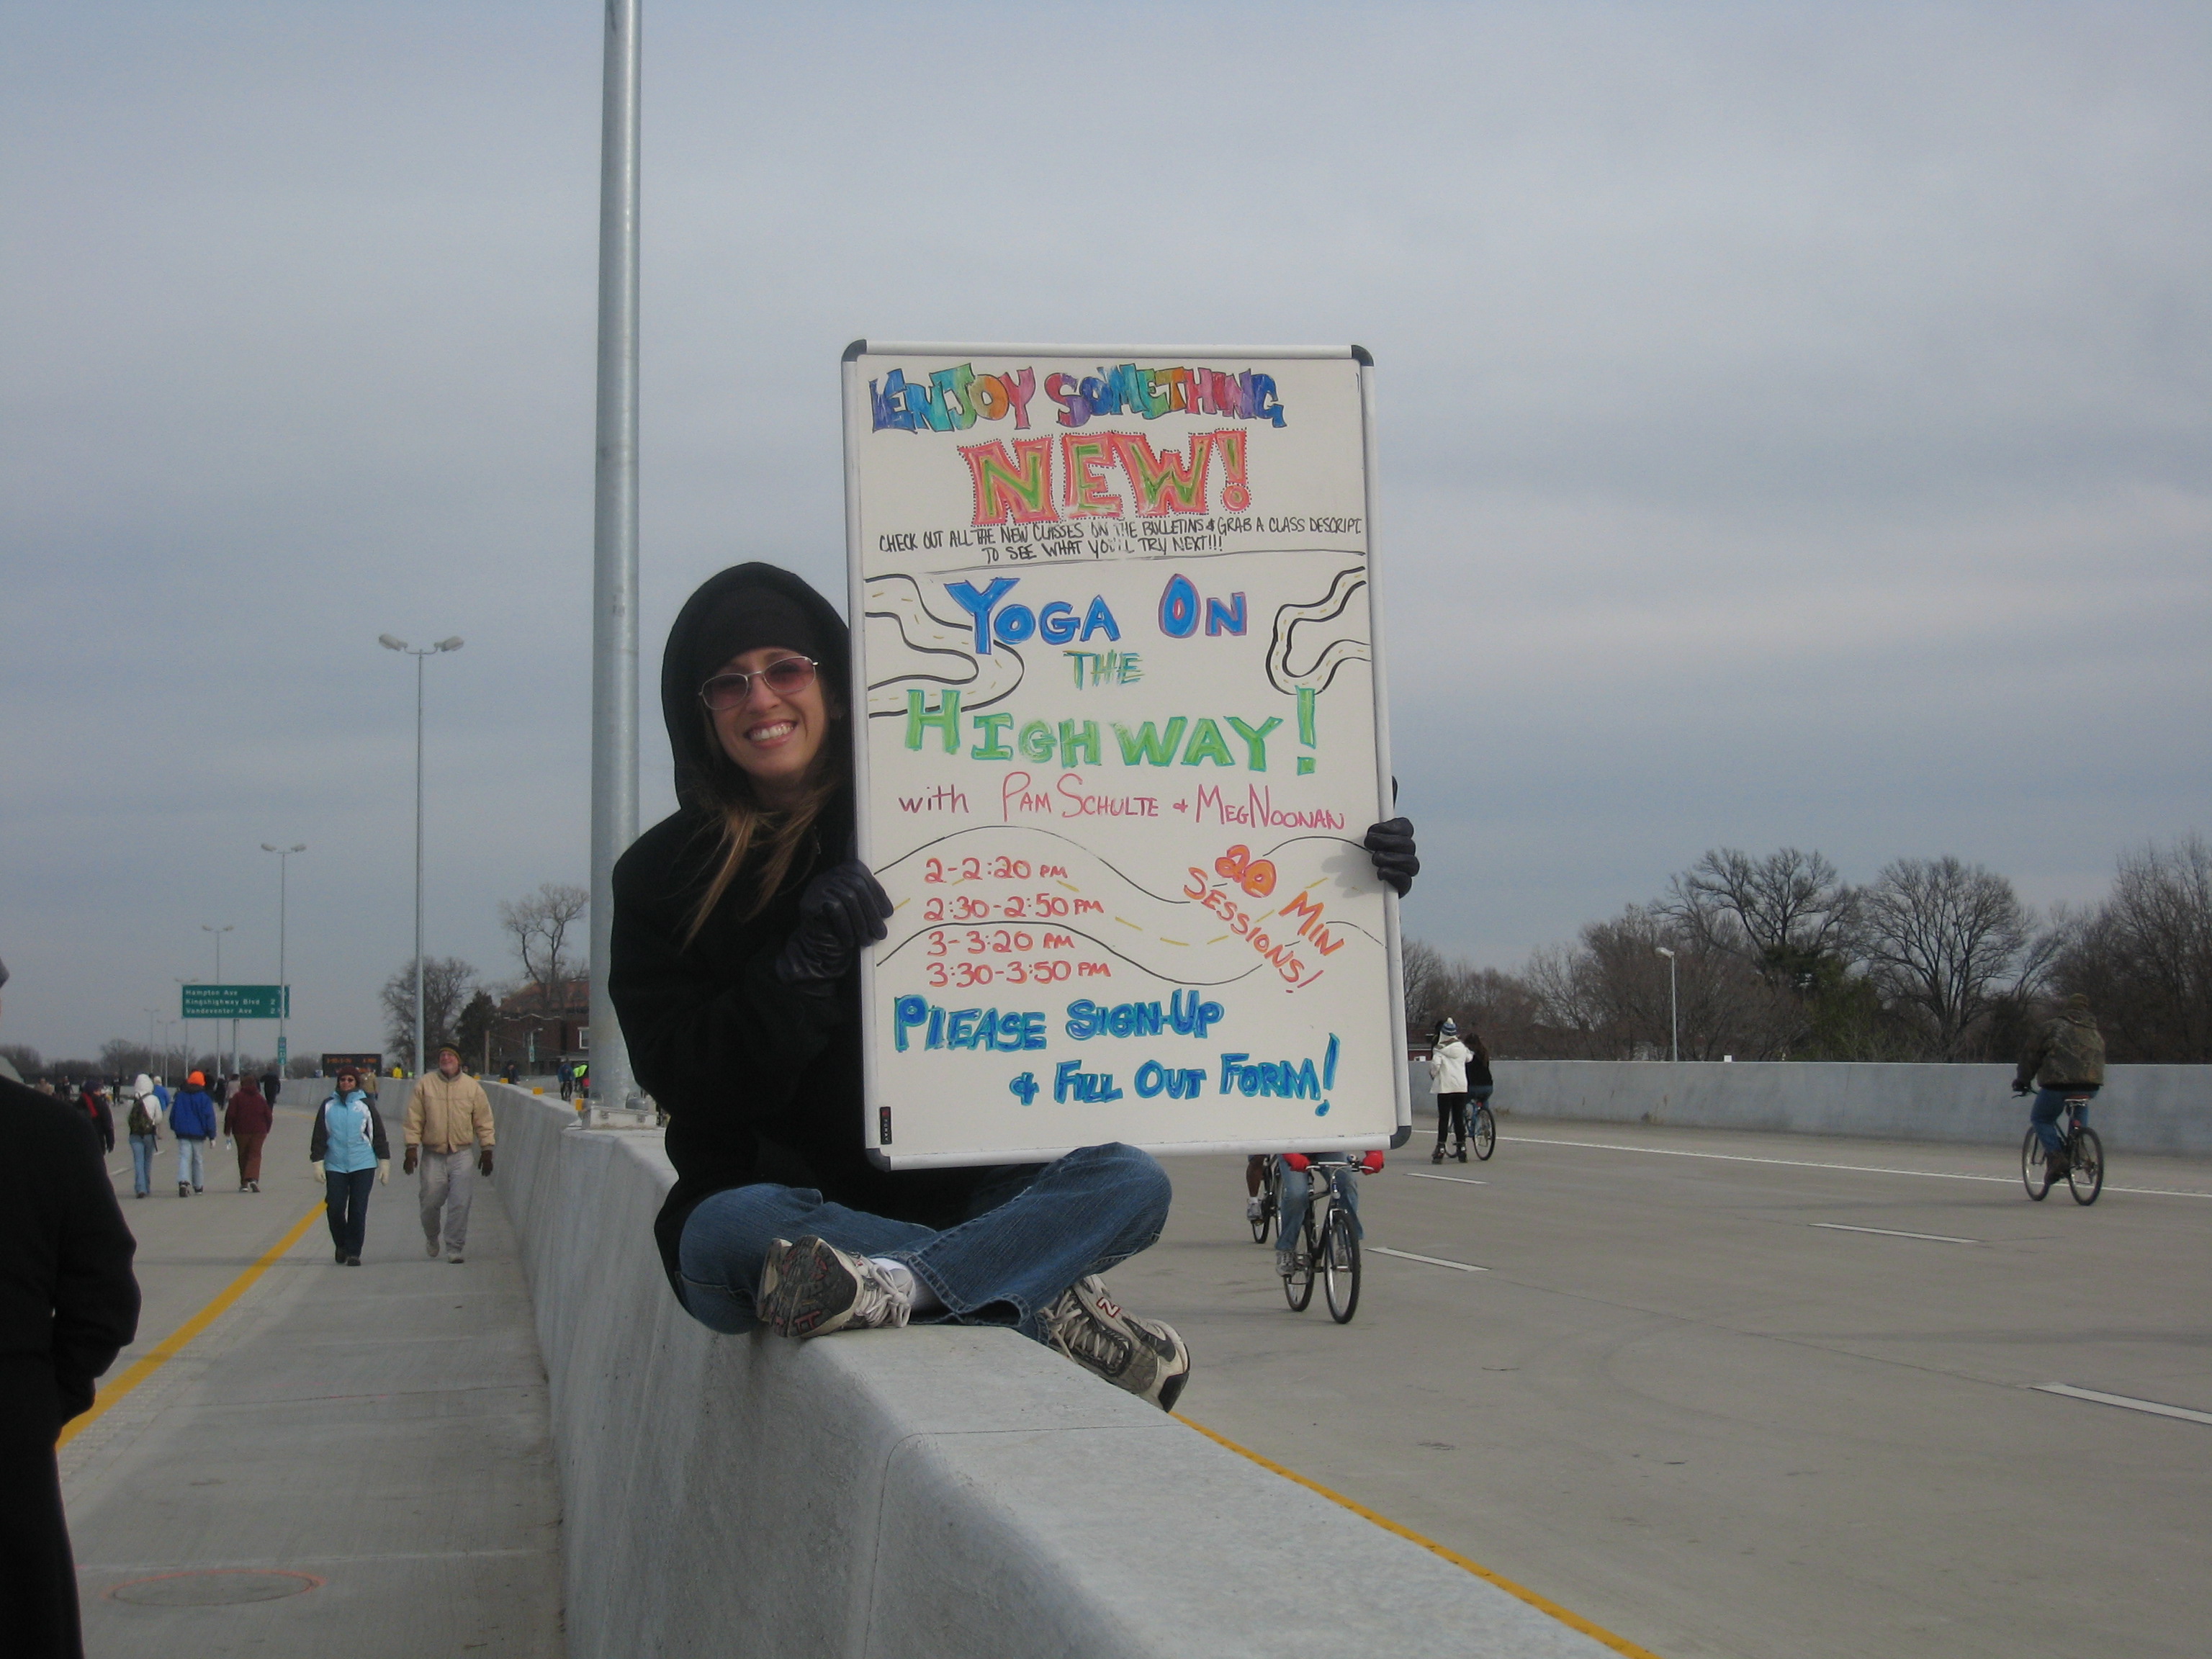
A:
(808, 1288)
(1255, 1207)
(1141, 1355)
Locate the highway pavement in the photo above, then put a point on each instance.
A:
(345, 1460)
(1740, 1395)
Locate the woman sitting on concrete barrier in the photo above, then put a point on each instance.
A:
(738, 928)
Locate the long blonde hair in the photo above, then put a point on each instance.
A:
(725, 791)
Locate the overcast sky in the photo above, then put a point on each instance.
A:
(1795, 419)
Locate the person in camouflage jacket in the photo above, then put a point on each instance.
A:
(2067, 1059)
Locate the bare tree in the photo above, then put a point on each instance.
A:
(539, 925)
(446, 981)
(1784, 912)
(2144, 956)
(1945, 940)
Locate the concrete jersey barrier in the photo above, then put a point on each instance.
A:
(944, 1490)
(2148, 1110)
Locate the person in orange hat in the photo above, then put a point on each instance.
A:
(192, 1117)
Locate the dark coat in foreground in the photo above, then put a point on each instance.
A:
(69, 1302)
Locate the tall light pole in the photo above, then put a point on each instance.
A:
(228, 927)
(1673, 1007)
(614, 536)
(390, 644)
(284, 985)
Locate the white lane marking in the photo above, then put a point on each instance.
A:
(1892, 1232)
(1807, 1163)
(1464, 1180)
(2150, 1406)
(1433, 1260)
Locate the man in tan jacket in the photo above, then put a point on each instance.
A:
(449, 1132)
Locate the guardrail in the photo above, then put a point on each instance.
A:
(2142, 1109)
(943, 1491)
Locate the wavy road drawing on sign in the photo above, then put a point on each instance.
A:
(932, 650)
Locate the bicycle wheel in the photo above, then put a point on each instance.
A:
(1484, 1138)
(1266, 1217)
(1340, 1261)
(1297, 1284)
(2034, 1169)
(2085, 1168)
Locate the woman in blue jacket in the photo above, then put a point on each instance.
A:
(348, 1149)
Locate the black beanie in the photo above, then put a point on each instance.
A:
(745, 618)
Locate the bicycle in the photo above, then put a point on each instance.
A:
(1270, 1194)
(1482, 1131)
(2084, 1155)
(1330, 1236)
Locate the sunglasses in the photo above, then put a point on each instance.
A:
(727, 691)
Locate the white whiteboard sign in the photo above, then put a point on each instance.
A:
(1115, 642)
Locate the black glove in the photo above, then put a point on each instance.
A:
(407, 1164)
(1390, 843)
(841, 910)
(483, 1164)
(2019, 1088)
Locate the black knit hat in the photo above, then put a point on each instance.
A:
(746, 617)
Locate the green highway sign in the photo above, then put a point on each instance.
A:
(236, 1002)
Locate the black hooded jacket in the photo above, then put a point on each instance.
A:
(761, 1081)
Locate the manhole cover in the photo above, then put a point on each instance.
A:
(213, 1587)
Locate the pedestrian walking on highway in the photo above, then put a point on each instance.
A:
(144, 1122)
(67, 1304)
(191, 1119)
(246, 1121)
(271, 1086)
(449, 1131)
(349, 1151)
(92, 1097)
(1448, 1059)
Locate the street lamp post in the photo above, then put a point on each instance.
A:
(1674, 1007)
(614, 536)
(283, 984)
(390, 644)
(228, 927)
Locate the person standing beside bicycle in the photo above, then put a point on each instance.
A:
(1448, 1079)
(2067, 1059)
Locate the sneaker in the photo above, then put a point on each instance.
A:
(252, 1186)
(1438, 1156)
(1255, 1207)
(184, 1189)
(341, 1259)
(455, 1258)
(430, 1248)
(1463, 1154)
(1141, 1355)
(809, 1288)
(353, 1261)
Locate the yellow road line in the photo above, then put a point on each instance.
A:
(175, 1343)
(1543, 1604)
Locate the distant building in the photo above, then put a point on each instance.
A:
(538, 1024)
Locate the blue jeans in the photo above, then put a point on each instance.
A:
(192, 1160)
(345, 1200)
(1297, 1199)
(1029, 1236)
(142, 1161)
(2050, 1107)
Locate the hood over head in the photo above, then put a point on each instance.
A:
(736, 610)
(141, 1085)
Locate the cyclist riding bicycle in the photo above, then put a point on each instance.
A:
(2066, 1060)
(1296, 1197)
